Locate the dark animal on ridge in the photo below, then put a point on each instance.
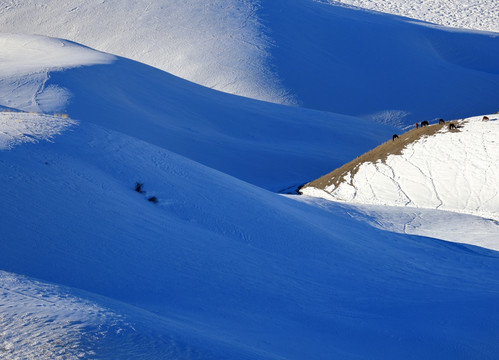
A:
(485, 118)
(395, 136)
(441, 121)
(452, 126)
(424, 123)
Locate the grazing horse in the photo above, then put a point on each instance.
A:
(395, 136)
(424, 123)
(452, 126)
(441, 121)
(485, 118)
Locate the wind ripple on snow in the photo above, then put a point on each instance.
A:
(17, 128)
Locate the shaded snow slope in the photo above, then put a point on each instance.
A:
(268, 276)
(452, 170)
(467, 14)
(318, 55)
(383, 67)
(44, 320)
(270, 145)
(437, 224)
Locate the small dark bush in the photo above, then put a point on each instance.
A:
(138, 188)
(153, 199)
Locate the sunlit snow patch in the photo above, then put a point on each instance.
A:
(39, 320)
(17, 128)
(452, 170)
(466, 14)
(25, 63)
(25, 54)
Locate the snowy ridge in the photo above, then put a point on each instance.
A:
(262, 143)
(219, 44)
(25, 63)
(452, 170)
(255, 49)
(467, 14)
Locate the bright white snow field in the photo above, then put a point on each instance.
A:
(221, 266)
(304, 52)
(468, 14)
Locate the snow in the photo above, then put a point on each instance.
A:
(273, 278)
(17, 128)
(467, 14)
(28, 54)
(44, 321)
(306, 53)
(218, 44)
(262, 143)
(223, 267)
(25, 62)
(437, 224)
(452, 170)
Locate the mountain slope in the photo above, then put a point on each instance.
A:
(306, 52)
(218, 44)
(449, 169)
(202, 262)
(269, 145)
(274, 278)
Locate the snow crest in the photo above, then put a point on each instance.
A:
(220, 44)
(25, 63)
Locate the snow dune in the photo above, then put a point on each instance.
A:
(269, 145)
(452, 170)
(304, 52)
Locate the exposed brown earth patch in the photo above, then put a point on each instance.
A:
(380, 153)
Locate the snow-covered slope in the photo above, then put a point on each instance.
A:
(254, 274)
(452, 170)
(201, 263)
(24, 65)
(468, 14)
(266, 144)
(218, 44)
(320, 56)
